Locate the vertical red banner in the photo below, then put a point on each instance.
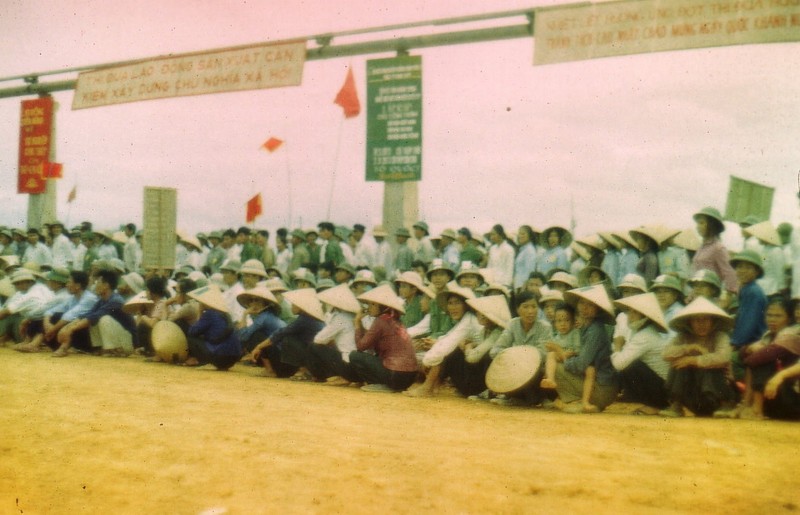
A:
(36, 122)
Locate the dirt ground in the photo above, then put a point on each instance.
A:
(86, 434)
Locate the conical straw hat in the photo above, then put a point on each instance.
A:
(169, 342)
(493, 307)
(385, 296)
(597, 295)
(414, 280)
(627, 238)
(688, 239)
(210, 296)
(340, 297)
(6, 287)
(580, 251)
(259, 292)
(306, 300)
(611, 239)
(276, 284)
(135, 302)
(550, 295)
(765, 232)
(701, 306)
(647, 305)
(513, 368)
(453, 289)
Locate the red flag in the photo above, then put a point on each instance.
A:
(72, 194)
(253, 208)
(348, 96)
(272, 144)
(53, 170)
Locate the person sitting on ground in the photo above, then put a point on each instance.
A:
(285, 352)
(22, 316)
(156, 287)
(446, 356)
(566, 343)
(669, 293)
(262, 308)
(180, 308)
(750, 324)
(776, 350)
(329, 358)
(639, 359)
(212, 339)
(385, 357)
(111, 329)
(594, 308)
(415, 294)
(526, 329)
(699, 358)
(494, 315)
(436, 322)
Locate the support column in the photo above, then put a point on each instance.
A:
(400, 206)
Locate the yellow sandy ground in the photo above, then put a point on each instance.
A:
(86, 434)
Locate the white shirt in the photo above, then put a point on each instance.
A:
(365, 252)
(32, 303)
(501, 263)
(234, 308)
(63, 254)
(340, 330)
(468, 329)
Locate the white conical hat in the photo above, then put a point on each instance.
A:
(135, 302)
(493, 307)
(415, 280)
(306, 300)
(550, 295)
(210, 296)
(701, 306)
(259, 292)
(340, 297)
(385, 296)
(6, 288)
(169, 342)
(513, 368)
(688, 239)
(597, 295)
(765, 232)
(647, 305)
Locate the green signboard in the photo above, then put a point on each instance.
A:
(394, 119)
(748, 198)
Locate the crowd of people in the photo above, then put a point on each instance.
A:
(670, 320)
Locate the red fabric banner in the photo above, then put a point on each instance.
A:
(36, 122)
(253, 208)
(53, 170)
(347, 97)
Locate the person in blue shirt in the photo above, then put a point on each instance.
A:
(212, 339)
(750, 323)
(261, 305)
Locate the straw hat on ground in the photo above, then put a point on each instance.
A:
(385, 296)
(259, 292)
(414, 280)
(306, 300)
(701, 306)
(340, 297)
(493, 307)
(136, 302)
(210, 296)
(647, 305)
(453, 289)
(169, 342)
(597, 295)
(513, 368)
(765, 232)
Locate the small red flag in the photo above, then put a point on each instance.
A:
(253, 208)
(53, 170)
(272, 144)
(72, 194)
(348, 96)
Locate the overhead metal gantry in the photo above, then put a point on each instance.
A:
(323, 46)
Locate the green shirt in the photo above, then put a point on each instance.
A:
(413, 312)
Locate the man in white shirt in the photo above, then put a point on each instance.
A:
(63, 251)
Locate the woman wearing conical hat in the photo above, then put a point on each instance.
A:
(212, 339)
(385, 358)
(639, 359)
(329, 357)
(262, 308)
(700, 359)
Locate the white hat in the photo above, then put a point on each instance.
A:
(385, 296)
(550, 295)
(259, 292)
(493, 307)
(701, 306)
(765, 232)
(414, 279)
(210, 296)
(453, 289)
(513, 368)
(595, 294)
(647, 305)
(253, 267)
(634, 282)
(135, 302)
(340, 297)
(306, 300)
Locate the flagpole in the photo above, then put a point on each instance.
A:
(335, 166)
(289, 188)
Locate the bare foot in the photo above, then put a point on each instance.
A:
(590, 408)
(549, 384)
(420, 391)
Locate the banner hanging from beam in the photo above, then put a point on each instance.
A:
(255, 67)
(35, 127)
(640, 26)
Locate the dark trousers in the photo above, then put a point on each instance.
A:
(369, 369)
(641, 384)
(273, 355)
(702, 390)
(326, 361)
(199, 351)
(468, 378)
(295, 352)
